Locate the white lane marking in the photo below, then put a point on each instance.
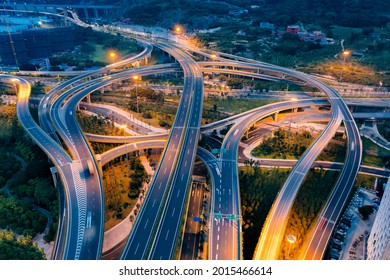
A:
(136, 249)
(173, 212)
(166, 237)
(146, 223)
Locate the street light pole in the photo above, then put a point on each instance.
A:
(291, 239)
(345, 54)
(135, 78)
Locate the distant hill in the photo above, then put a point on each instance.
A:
(352, 13)
(198, 13)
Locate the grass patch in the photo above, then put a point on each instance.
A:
(283, 146)
(384, 130)
(369, 145)
(98, 125)
(366, 181)
(372, 160)
(374, 155)
(234, 105)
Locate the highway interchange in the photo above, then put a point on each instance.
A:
(156, 232)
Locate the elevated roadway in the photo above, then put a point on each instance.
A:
(61, 160)
(146, 228)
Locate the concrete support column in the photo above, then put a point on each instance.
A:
(102, 90)
(86, 12)
(99, 164)
(89, 98)
(95, 12)
(54, 174)
(276, 115)
(295, 110)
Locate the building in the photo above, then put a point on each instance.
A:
(267, 25)
(15, 53)
(35, 43)
(378, 244)
(293, 29)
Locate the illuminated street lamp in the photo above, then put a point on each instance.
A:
(291, 239)
(345, 54)
(136, 78)
(123, 126)
(112, 55)
(178, 29)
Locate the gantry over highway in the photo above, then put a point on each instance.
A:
(157, 227)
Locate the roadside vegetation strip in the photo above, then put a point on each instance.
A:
(122, 191)
(259, 187)
(308, 203)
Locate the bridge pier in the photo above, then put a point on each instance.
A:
(275, 116)
(88, 98)
(55, 176)
(99, 164)
(95, 12)
(86, 12)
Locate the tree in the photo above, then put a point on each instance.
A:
(366, 211)
(132, 219)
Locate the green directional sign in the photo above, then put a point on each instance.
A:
(232, 217)
(218, 215)
(217, 151)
